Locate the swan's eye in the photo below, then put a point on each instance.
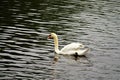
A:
(50, 37)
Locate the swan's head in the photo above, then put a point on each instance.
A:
(52, 35)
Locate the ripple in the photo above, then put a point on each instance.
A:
(25, 52)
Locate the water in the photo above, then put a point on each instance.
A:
(26, 54)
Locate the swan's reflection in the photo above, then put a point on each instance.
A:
(83, 59)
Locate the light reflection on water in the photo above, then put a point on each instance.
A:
(25, 52)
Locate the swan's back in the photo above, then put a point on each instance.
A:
(72, 47)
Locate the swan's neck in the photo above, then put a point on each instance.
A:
(56, 44)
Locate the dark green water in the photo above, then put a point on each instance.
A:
(26, 54)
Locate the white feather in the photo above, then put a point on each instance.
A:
(72, 46)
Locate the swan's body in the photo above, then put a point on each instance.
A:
(70, 49)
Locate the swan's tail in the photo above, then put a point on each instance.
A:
(83, 52)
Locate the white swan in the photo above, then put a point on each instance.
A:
(70, 49)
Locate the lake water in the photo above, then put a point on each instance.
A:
(26, 54)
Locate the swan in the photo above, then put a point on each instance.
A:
(70, 49)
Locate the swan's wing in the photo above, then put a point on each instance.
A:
(73, 52)
(72, 47)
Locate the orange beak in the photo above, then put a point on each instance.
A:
(49, 37)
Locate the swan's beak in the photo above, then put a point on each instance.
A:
(49, 37)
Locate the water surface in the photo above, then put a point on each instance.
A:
(25, 52)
